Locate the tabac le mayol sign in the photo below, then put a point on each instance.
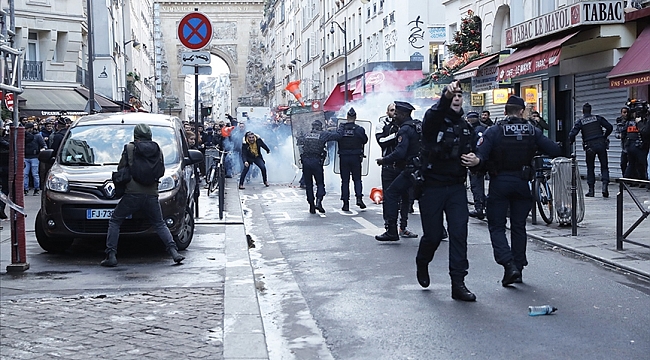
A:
(582, 13)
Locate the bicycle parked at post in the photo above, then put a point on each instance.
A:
(216, 175)
(542, 188)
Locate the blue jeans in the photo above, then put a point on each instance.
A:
(147, 204)
(31, 166)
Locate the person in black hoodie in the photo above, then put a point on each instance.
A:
(251, 153)
(34, 143)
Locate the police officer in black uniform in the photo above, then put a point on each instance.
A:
(620, 131)
(387, 140)
(56, 138)
(476, 177)
(595, 143)
(406, 151)
(353, 138)
(506, 151)
(441, 179)
(637, 140)
(312, 157)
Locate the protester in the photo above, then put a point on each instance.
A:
(140, 197)
(34, 143)
(252, 154)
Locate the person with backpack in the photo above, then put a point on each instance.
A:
(146, 166)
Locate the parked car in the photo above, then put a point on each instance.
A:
(79, 195)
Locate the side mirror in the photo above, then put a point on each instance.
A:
(46, 156)
(195, 157)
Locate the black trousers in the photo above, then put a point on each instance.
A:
(312, 171)
(350, 165)
(590, 157)
(388, 174)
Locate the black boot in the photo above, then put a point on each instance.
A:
(319, 205)
(460, 292)
(175, 255)
(590, 193)
(422, 274)
(360, 203)
(312, 208)
(519, 279)
(478, 213)
(110, 260)
(389, 235)
(510, 274)
(346, 205)
(605, 190)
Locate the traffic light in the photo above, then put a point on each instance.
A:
(206, 111)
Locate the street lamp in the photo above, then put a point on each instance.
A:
(345, 52)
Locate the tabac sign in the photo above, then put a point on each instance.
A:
(582, 13)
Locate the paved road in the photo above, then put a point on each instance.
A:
(329, 290)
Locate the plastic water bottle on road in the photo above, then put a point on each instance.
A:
(541, 310)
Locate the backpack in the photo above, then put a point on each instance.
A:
(147, 165)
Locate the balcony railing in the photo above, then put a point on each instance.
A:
(33, 70)
(82, 77)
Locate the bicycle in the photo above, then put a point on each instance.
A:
(542, 188)
(216, 177)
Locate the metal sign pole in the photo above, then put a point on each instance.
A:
(196, 136)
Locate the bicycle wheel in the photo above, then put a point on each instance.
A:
(221, 179)
(212, 179)
(544, 200)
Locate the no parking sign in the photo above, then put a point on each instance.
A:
(195, 31)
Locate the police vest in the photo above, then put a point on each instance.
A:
(414, 143)
(591, 128)
(442, 153)
(515, 147)
(349, 141)
(312, 145)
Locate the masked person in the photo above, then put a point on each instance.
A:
(403, 158)
(595, 143)
(506, 150)
(387, 140)
(312, 157)
(252, 154)
(353, 138)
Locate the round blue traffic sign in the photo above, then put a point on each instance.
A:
(195, 31)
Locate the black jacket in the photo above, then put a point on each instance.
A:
(247, 155)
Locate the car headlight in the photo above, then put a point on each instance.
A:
(58, 183)
(168, 182)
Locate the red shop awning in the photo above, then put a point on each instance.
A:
(532, 59)
(470, 70)
(336, 100)
(391, 81)
(634, 68)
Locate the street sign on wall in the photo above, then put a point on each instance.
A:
(195, 31)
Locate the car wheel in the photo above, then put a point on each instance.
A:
(47, 243)
(184, 236)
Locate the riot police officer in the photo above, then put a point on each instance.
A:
(594, 143)
(353, 138)
(312, 157)
(477, 178)
(637, 140)
(406, 151)
(387, 140)
(445, 137)
(620, 131)
(506, 151)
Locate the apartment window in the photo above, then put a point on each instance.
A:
(32, 47)
(374, 8)
(59, 49)
(368, 13)
(392, 17)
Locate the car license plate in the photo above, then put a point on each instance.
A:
(99, 214)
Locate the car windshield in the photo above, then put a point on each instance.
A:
(102, 145)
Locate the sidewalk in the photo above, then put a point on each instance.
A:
(596, 234)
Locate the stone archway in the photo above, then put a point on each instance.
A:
(501, 22)
(236, 39)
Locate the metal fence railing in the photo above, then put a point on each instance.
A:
(625, 185)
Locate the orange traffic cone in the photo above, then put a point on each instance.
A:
(294, 88)
(377, 195)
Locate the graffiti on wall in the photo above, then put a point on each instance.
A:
(416, 33)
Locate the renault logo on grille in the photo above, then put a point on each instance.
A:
(109, 190)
